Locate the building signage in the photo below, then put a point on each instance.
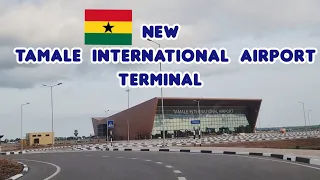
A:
(203, 111)
(195, 121)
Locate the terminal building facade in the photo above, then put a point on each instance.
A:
(217, 116)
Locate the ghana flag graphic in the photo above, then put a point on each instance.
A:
(108, 27)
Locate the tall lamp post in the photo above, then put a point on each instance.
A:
(21, 136)
(128, 125)
(304, 115)
(51, 87)
(309, 116)
(106, 111)
(161, 89)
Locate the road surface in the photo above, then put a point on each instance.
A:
(102, 165)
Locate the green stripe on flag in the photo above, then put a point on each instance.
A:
(107, 39)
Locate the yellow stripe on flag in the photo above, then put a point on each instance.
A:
(97, 27)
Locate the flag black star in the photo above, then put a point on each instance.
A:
(108, 27)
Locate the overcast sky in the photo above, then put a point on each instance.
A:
(88, 90)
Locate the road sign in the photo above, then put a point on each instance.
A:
(110, 124)
(195, 121)
(76, 133)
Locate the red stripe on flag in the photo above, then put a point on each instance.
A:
(107, 15)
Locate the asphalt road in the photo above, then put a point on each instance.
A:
(98, 165)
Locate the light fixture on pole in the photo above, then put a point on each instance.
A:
(21, 136)
(128, 125)
(304, 115)
(162, 106)
(106, 111)
(52, 130)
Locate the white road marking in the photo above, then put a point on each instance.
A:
(168, 166)
(58, 169)
(147, 160)
(182, 178)
(133, 158)
(119, 157)
(16, 176)
(159, 162)
(176, 171)
(105, 156)
(267, 159)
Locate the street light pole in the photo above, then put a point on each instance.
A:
(162, 108)
(21, 143)
(107, 126)
(304, 115)
(309, 116)
(51, 94)
(128, 125)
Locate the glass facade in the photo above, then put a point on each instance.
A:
(213, 120)
(102, 130)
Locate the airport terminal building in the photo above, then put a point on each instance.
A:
(216, 116)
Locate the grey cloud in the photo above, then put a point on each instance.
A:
(29, 77)
(216, 20)
(212, 70)
(91, 89)
(204, 23)
(9, 41)
(8, 59)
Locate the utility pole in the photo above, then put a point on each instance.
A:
(199, 114)
(304, 116)
(21, 134)
(106, 111)
(162, 106)
(51, 87)
(128, 125)
(309, 117)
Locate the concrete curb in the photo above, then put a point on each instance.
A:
(12, 152)
(312, 161)
(44, 149)
(22, 173)
(32, 150)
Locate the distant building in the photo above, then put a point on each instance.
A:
(216, 116)
(39, 138)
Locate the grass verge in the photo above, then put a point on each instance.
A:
(9, 168)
